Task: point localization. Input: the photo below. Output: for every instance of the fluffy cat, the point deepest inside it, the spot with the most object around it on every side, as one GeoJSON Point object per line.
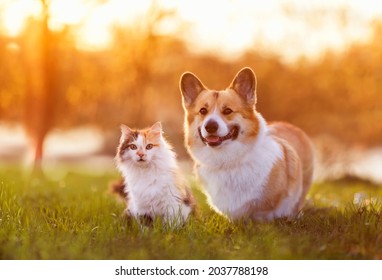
{"type": "Point", "coordinates": [151, 183]}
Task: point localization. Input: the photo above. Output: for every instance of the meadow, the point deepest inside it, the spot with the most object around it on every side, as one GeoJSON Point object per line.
{"type": "Point", "coordinates": [76, 218]}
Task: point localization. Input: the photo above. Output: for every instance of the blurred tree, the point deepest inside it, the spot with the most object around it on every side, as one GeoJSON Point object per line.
{"type": "Point", "coordinates": [135, 81]}
{"type": "Point", "coordinates": [134, 64]}
{"type": "Point", "coordinates": [40, 58]}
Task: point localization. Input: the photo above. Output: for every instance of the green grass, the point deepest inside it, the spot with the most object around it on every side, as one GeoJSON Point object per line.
{"type": "Point", "coordinates": [75, 218]}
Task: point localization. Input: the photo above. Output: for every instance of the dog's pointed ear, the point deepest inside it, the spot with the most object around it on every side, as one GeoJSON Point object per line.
{"type": "Point", "coordinates": [244, 84]}
{"type": "Point", "coordinates": [190, 86]}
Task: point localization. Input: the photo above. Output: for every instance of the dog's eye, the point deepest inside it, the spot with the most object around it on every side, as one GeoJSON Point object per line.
{"type": "Point", "coordinates": [203, 111]}
{"type": "Point", "coordinates": [149, 146]}
{"type": "Point", "coordinates": [132, 147]}
{"type": "Point", "coordinates": [227, 111]}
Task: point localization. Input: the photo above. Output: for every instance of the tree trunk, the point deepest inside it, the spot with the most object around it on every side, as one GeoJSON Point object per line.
{"type": "Point", "coordinates": [40, 67]}
{"type": "Point", "coordinates": [38, 152]}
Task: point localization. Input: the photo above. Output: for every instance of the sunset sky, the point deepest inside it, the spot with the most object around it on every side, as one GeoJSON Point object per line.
{"type": "Point", "coordinates": [290, 28]}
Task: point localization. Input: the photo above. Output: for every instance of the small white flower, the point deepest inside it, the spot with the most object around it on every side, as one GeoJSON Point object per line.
{"type": "Point", "coordinates": [359, 197]}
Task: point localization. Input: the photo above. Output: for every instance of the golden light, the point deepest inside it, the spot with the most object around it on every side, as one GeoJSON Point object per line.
{"type": "Point", "coordinates": [288, 27]}
{"type": "Point", "coordinates": [95, 33]}
{"type": "Point", "coordinates": [70, 12]}
{"type": "Point", "coordinates": [15, 14]}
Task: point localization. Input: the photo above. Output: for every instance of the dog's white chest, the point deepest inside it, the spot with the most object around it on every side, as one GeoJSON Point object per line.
{"type": "Point", "coordinates": [229, 188]}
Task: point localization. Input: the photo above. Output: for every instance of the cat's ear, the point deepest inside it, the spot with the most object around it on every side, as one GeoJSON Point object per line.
{"type": "Point", "coordinates": [156, 129]}
{"type": "Point", "coordinates": [126, 132]}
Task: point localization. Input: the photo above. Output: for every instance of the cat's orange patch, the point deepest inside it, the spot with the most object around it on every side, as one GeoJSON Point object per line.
{"type": "Point", "coordinates": [150, 137]}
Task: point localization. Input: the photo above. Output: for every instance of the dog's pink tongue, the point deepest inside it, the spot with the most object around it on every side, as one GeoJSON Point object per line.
{"type": "Point", "coordinates": [213, 139]}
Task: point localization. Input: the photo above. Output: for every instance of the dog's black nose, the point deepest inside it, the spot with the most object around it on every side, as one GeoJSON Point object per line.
{"type": "Point", "coordinates": [211, 126]}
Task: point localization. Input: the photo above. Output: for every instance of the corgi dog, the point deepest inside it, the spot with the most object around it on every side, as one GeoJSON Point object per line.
{"type": "Point", "coordinates": [249, 169]}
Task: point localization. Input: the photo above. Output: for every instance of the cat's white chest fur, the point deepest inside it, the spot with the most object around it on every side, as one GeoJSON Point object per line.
{"type": "Point", "coordinates": [154, 194]}
{"type": "Point", "coordinates": [151, 194]}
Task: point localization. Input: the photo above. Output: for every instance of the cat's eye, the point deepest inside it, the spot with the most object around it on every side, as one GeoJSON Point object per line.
{"type": "Point", "coordinates": [227, 111]}
{"type": "Point", "coordinates": [149, 146]}
{"type": "Point", "coordinates": [203, 111]}
{"type": "Point", "coordinates": [132, 147]}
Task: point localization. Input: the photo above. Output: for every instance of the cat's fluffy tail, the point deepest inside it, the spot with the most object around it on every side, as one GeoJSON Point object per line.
{"type": "Point", "coordinates": [118, 188]}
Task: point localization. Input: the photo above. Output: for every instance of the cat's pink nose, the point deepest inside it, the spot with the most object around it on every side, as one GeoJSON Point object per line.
{"type": "Point", "coordinates": [140, 154]}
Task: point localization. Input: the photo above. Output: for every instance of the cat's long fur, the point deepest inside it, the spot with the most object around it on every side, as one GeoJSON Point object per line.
{"type": "Point", "coordinates": [152, 182]}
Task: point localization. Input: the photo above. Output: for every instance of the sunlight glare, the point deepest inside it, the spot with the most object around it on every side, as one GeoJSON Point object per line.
{"type": "Point", "coordinates": [289, 28]}
{"type": "Point", "coordinates": [95, 34]}
{"type": "Point", "coordinates": [70, 12]}
{"type": "Point", "coordinates": [16, 13]}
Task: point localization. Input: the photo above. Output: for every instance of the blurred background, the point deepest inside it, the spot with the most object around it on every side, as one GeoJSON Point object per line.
{"type": "Point", "coordinates": [72, 70]}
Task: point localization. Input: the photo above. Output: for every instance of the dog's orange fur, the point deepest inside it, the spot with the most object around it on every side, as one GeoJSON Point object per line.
{"type": "Point", "coordinates": [221, 100]}
{"type": "Point", "coordinates": [302, 149]}
{"type": "Point", "coordinates": [290, 175]}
